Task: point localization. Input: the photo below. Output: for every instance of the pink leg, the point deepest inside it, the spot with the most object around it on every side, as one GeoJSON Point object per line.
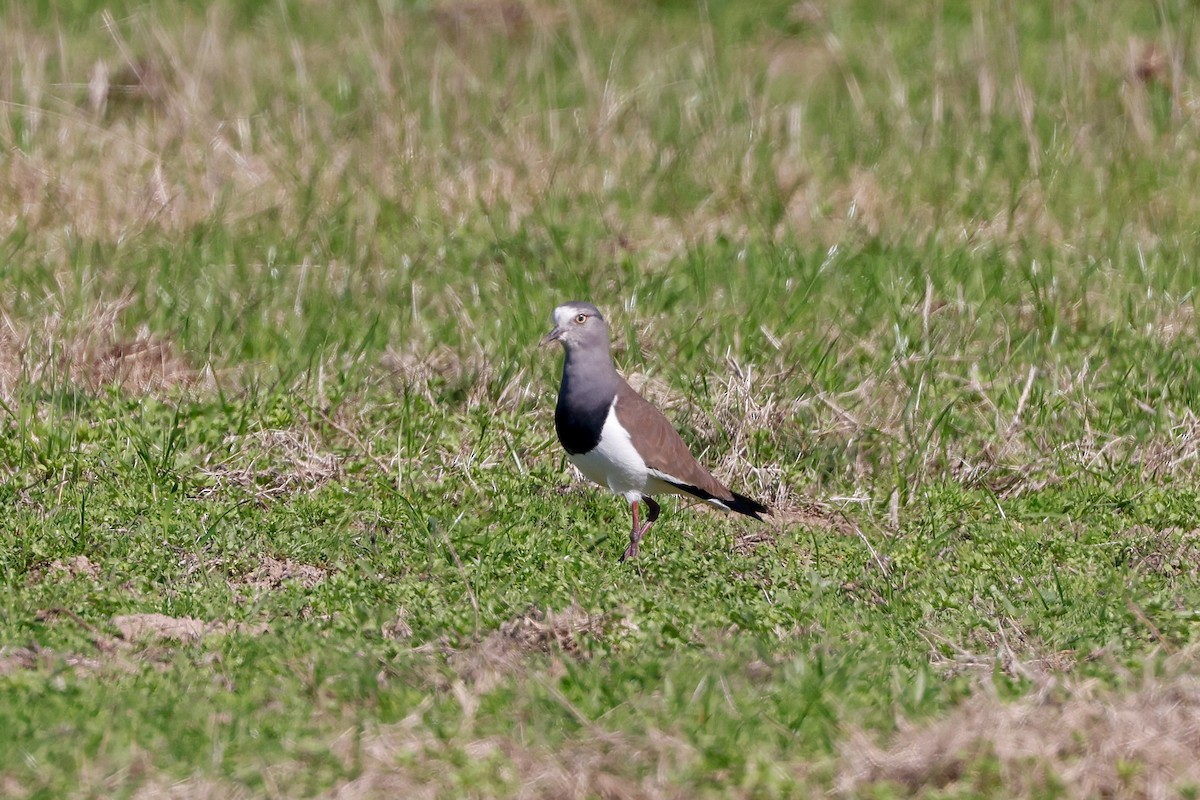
{"type": "Point", "coordinates": [634, 537]}
{"type": "Point", "coordinates": [639, 528]}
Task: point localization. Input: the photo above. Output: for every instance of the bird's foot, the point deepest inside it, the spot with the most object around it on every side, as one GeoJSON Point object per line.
{"type": "Point", "coordinates": [635, 537]}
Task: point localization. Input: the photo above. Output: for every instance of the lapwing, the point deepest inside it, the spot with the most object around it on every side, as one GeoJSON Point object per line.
{"type": "Point", "coordinates": [618, 439]}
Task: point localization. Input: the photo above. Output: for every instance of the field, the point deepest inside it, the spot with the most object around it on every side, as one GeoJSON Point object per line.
{"type": "Point", "coordinates": [284, 514]}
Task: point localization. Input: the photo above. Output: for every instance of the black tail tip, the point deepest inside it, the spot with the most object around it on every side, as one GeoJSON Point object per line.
{"type": "Point", "coordinates": [751, 508]}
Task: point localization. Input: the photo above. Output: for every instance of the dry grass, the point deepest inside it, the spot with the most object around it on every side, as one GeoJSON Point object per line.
{"type": "Point", "coordinates": [163, 788]}
{"type": "Point", "coordinates": [72, 568]}
{"type": "Point", "coordinates": [401, 760]}
{"type": "Point", "coordinates": [155, 627]}
{"type": "Point", "coordinates": [161, 124]}
{"type": "Point", "coordinates": [431, 373]}
{"type": "Point", "coordinates": [129, 134]}
{"type": "Point", "coordinates": [272, 463]}
{"type": "Point", "coordinates": [18, 659]}
{"type": "Point", "coordinates": [404, 760]}
{"type": "Point", "coordinates": [91, 353]}
{"type": "Point", "coordinates": [140, 639]}
{"type": "Point", "coordinates": [483, 665]}
{"type": "Point", "coordinates": [145, 781]}
{"type": "Point", "coordinates": [274, 573]}
{"type": "Point", "coordinates": [1007, 648]}
{"type": "Point", "coordinates": [1168, 552]}
{"type": "Point", "coordinates": [807, 515]}
{"type": "Point", "coordinates": [1075, 738]}
{"type": "Point", "coordinates": [601, 768]}
{"type": "Point", "coordinates": [384, 781]}
{"type": "Point", "coordinates": [1083, 740]}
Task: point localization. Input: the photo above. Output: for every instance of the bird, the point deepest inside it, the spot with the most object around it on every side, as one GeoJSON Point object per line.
{"type": "Point", "coordinates": [616, 437]}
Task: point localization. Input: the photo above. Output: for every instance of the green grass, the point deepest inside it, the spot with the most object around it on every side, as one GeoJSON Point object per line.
{"type": "Point", "coordinates": [920, 278]}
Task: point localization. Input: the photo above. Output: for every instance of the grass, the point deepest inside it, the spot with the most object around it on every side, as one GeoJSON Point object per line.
{"type": "Point", "coordinates": [284, 514]}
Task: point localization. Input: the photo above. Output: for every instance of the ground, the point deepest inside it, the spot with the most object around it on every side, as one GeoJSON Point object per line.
{"type": "Point", "coordinates": [283, 510]}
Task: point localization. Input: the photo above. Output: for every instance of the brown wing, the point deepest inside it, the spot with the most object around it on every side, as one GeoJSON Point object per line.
{"type": "Point", "coordinates": [660, 446]}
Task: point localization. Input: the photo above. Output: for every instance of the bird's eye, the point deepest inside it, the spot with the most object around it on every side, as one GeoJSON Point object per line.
{"type": "Point", "coordinates": [580, 319]}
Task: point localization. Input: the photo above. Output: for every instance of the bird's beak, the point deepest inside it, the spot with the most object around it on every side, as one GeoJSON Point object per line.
{"type": "Point", "coordinates": [552, 336]}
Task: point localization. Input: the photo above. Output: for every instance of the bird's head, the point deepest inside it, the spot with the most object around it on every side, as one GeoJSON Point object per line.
{"type": "Point", "coordinates": [578, 325]}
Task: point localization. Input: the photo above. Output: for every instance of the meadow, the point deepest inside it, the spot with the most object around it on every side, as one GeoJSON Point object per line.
{"type": "Point", "coordinates": [283, 511]}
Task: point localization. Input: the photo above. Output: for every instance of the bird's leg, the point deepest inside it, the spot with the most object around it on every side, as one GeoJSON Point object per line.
{"type": "Point", "coordinates": [634, 535]}
{"type": "Point", "coordinates": [654, 509]}
{"type": "Point", "coordinates": [639, 529]}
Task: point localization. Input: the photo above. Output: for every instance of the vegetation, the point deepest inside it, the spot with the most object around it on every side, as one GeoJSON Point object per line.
{"type": "Point", "coordinates": [283, 510]}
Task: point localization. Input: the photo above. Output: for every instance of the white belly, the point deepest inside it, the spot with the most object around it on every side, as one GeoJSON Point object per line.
{"type": "Point", "coordinates": [616, 464]}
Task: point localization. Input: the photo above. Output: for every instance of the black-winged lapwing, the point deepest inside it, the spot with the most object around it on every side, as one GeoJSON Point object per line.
{"type": "Point", "coordinates": [618, 439]}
